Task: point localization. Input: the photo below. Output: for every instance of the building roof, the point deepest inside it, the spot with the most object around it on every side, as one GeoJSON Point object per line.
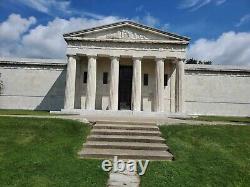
{"type": "Point", "coordinates": [217, 68]}
{"type": "Point", "coordinates": [127, 23]}
{"type": "Point", "coordinates": [33, 61]}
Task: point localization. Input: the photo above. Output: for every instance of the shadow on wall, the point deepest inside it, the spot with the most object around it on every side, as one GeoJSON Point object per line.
{"type": "Point", "coordinates": [54, 99]}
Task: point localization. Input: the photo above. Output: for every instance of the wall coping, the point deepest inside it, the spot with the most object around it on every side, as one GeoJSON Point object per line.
{"type": "Point", "coordinates": [218, 68]}
{"type": "Point", "coordinates": [33, 61]}
{"type": "Point", "coordinates": [63, 62]}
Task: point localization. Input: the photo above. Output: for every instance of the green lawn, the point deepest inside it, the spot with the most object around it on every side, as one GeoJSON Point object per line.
{"type": "Point", "coordinates": [224, 118]}
{"type": "Point", "coordinates": [43, 152]}
{"type": "Point", "coordinates": [204, 156]}
{"type": "Point", "coordinates": [23, 112]}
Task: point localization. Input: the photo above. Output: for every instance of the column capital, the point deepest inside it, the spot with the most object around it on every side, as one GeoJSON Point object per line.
{"type": "Point", "coordinates": [159, 58]}
{"type": "Point", "coordinates": [92, 56]}
{"type": "Point", "coordinates": [72, 56]}
{"type": "Point", "coordinates": [178, 60]}
{"type": "Point", "coordinates": [137, 58]}
{"type": "Point", "coordinates": [112, 57]}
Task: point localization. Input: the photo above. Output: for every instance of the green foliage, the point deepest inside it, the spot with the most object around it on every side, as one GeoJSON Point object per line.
{"type": "Point", "coordinates": [23, 112]}
{"type": "Point", "coordinates": [224, 118]}
{"type": "Point", "coordinates": [43, 152]}
{"type": "Point", "coordinates": [204, 156]}
{"type": "Point", "coordinates": [194, 61]}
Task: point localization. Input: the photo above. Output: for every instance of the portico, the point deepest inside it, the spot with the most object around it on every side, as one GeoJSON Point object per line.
{"type": "Point", "coordinates": [153, 58]}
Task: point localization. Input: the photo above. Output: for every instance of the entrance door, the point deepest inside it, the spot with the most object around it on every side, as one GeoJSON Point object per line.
{"type": "Point", "coordinates": [125, 87]}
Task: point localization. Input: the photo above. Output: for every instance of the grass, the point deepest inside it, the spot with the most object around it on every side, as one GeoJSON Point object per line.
{"type": "Point", "coordinates": [23, 112]}
{"type": "Point", "coordinates": [43, 152]}
{"type": "Point", "coordinates": [224, 118]}
{"type": "Point", "coordinates": [204, 156]}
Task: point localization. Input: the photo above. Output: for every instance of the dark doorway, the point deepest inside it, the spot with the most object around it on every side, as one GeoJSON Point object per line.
{"type": "Point", "coordinates": [125, 87]}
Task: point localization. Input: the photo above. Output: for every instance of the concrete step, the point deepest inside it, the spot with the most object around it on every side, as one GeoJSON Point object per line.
{"type": "Point", "coordinates": [126, 127]}
{"type": "Point", "coordinates": [125, 154]}
{"type": "Point", "coordinates": [126, 145]}
{"type": "Point", "coordinates": [125, 132]}
{"type": "Point", "coordinates": [125, 122]}
{"type": "Point", "coordinates": [122, 138]}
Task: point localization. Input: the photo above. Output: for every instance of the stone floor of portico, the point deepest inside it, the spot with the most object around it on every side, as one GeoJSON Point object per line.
{"type": "Point", "coordinates": [123, 115]}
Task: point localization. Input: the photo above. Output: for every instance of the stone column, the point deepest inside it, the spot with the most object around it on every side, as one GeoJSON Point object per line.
{"type": "Point", "coordinates": [179, 86]}
{"type": "Point", "coordinates": [114, 83]}
{"type": "Point", "coordinates": [136, 85]}
{"type": "Point", "coordinates": [91, 83]}
{"type": "Point", "coordinates": [69, 99]}
{"type": "Point", "coordinates": [172, 87]}
{"type": "Point", "coordinates": [159, 75]}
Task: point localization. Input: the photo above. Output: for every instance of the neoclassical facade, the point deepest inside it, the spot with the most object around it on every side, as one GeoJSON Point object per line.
{"type": "Point", "coordinates": [125, 70]}
{"type": "Point", "coordinates": [125, 66]}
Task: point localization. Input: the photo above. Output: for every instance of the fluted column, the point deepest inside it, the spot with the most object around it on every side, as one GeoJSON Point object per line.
{"type": "Point", "coordinates": [179, 86]}
{"type": "Point", "coordinates": [136, 84]}
{"type": "Point", "coordinates": [159, 91]}
{"type": "Point", "coordinates": [91, 83]}
{"type": "Point", "coordinates": [114, 83]}
{"type": "Point", "coordinates": [69, 99]}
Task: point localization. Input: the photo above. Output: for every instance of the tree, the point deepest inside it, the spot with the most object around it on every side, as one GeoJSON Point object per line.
{"type": "Point", "coordinates": [191, 61]}
{"type": "Point", "coordinates": [194, 61]}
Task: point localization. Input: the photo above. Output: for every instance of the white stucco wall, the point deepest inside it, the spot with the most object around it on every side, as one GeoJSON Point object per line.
{"type": "Point", "coordinates": [32, 84]}
{"type": "Point", "coordinates": [208, 90]}
{"type": "Point", "coordinates": [217, 90]}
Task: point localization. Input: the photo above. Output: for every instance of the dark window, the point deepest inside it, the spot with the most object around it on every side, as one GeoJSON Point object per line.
{"type": "Point", "coordinates": [145, 79]}
{"type": "Point", "coordinates": [105, 78]}
{"type": "Point", "coordinates": [165, 79]}
{"type": "Point", "coordinates": [85, 76]}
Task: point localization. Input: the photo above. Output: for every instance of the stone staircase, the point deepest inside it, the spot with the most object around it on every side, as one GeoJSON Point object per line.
{"type": "Point", "coordinates": [125, 140]}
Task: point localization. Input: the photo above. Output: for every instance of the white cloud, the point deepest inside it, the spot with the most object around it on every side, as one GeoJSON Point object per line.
{"type": "Point", "coordinates": [14, 27]}
{"type": "Point", "coordinates": [48, 6]}
{"type": "Point", "coordinates": [11, 31]}
{"type": "Point", "coordinates": [139, 8]}
{"type": "Point", "coordinates": [194, 5]}
{"type": "Point", "coordinates": [148, 19]}
{"type": "Point", "coordinates": [220, 2]}
{"type": "Point", "coordinates": [243, 20]}
{"type": "Point", "coordinates": [230, 48]}
{"type": "Point", "coordinates": [46, 41]}
{"type": "Point", "coordinates": [165, 26]}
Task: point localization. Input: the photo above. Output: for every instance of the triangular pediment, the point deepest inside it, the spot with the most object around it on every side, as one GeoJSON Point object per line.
{"type": "Point", "coordinates": [125, 31]}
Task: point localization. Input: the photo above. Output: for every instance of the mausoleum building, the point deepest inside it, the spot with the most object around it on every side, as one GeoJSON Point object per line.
{"type": "Point", "coordinates": [125, 66]}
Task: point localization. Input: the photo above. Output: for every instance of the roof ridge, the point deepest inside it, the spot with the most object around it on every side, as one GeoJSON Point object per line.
{"type": "Point", "coordinates": [124, 23]}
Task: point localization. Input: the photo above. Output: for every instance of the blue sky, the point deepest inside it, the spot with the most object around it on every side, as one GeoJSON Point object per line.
{"type": "Point", "coordinates": [219, 29]}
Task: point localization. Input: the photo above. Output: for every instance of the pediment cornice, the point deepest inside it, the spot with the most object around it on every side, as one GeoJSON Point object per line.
{"type": "Point", "coordinates": [126, 32]}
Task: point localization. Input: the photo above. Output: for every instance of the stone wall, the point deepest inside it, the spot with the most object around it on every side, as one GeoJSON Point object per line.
{"type": "Point", "coordinates": [36, 84]}
{"type": "Point", "coordinates": [217, 90]}
{"type": "Point", "coordinates": [208, 90]}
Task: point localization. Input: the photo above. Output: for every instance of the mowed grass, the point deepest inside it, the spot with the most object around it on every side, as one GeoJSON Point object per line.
{"type": "Point", "coordinates": [23, 112]}
{"type": "Point", "coordinates": [204, 156]}
{"type": "Point", "coordinates": [43, 152]}
{"type": "Point", "coordinates": [224, 118]}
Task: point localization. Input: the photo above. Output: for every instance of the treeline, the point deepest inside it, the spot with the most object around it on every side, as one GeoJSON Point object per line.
{"type": "Point", "coordinates": [194, 61]}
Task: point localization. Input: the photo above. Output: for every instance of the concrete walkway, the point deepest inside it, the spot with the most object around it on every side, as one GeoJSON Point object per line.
{"type": "Point", "coordinates": [122, 179]}
{"type": "Point", "coordinates": [168, 121]}
{"type": "Point", "coordinates": [71, 117]}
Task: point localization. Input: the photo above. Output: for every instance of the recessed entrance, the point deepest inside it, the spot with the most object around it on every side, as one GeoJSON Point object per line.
{"type": "Point", "coordinates": [125, 87]}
